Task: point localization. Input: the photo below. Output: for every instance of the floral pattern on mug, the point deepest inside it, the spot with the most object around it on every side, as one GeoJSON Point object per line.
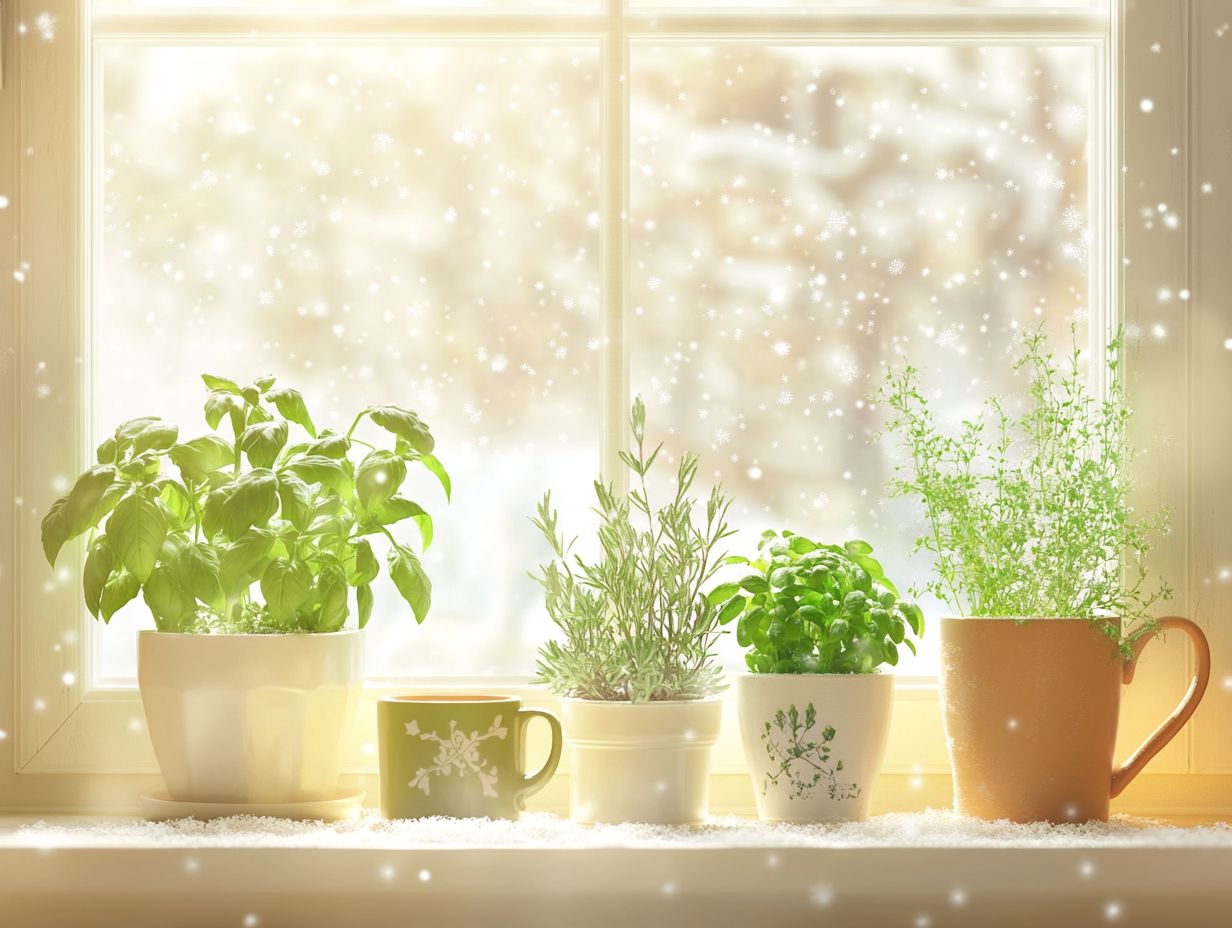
{"type": "Point", "coordinates": [457, 751]}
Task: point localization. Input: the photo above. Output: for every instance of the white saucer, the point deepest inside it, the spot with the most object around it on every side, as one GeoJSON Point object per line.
{"type": "Point", "coordinates": [161, 807]}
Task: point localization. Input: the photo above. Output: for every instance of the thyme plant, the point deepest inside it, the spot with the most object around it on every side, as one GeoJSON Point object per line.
{"type": "Point", "coordinates": [1028, 514]}
{"type": "Point", "coordinates": [195, 525]}
{"type": "Point", "coordinates": [636, 625]}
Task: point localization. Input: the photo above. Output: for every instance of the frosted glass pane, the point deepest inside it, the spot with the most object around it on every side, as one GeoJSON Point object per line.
{"type": "Point", "coordinates": [815, 5]}
{"type": "Point", "coordinates": [404, 225]}
{"type": "Point", "coordinates": [801, 217]}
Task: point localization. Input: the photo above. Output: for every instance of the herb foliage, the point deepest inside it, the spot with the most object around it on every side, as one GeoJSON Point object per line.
{"type": "Point", "coordinates": [814, 608]}
{"type": "Point", "coordinates": [1028, 514]}
{"type": "Point", "coordinates": [250, 508]}
{"type": "Point", "coordinates": [636, 625]}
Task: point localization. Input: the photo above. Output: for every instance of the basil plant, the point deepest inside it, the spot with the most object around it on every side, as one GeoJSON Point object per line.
{"type": "Point", "coordinates": [245, 530]}
{"type": "Point", "coordinates": [809, 607]}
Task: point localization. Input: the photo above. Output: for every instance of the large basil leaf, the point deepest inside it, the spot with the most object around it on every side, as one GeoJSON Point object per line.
{"type": "Point", "coordinates": [409, 577]}
{"type": "Point", "coordinates": [136, 530]}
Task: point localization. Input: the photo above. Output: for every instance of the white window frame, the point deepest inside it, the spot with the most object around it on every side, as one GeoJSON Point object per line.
{"type": "Point", "coordinates": [54, 723]}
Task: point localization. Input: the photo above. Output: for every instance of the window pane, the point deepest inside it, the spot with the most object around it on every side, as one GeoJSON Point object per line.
{"type": "Point", "coordinates": [802, 217]}
{"type": "Point", "coordinates": [396, 225]}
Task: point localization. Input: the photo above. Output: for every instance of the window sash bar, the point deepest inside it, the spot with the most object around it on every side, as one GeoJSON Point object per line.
{"type": "Point", "coordinates": [868, 24]}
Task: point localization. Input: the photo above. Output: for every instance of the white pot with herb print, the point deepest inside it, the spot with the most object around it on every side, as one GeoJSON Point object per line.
{"type": "Point", "coordinates": [818, 621]}
{"type": "Point", "coordinates": [814, 742]}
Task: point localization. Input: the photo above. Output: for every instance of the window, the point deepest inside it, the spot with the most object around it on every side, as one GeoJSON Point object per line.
{"type": "Point", "coordinates": [511, 216]}
{"type": "Point", "coordinates": [800, 216]}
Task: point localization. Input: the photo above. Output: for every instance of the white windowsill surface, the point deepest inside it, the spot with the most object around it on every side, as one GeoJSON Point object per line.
{"type": "Point", "coordinates": [928, 869]}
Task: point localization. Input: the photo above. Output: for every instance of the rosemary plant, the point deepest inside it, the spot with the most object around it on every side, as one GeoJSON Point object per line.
{"type": "Point", "coordinates": [1029, 515]}
{"type": "Point", "coordinates": [636, 625]}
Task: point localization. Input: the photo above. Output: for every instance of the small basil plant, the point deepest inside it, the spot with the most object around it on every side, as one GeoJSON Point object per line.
{"type": "Point", "coordinates": [809, 607]}
{"type": "Point", "coordinates": [195, 526]}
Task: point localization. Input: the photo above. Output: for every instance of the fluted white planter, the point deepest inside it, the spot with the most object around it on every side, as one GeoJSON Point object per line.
{"type": "Point", "coordinates": [640, 763]}
{"type": "Point", "coordinates": [250, 718]}
{"type": "Point", "coordinates": [814, 742]}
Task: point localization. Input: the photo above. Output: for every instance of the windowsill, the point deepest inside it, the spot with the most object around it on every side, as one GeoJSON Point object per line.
{"type": "Point", "coordinates": [923, 869]}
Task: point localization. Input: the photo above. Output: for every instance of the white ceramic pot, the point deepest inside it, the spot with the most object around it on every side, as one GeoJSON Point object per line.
{"type": "Point", "coordinates": [250, 718]}
{"type": "Point", "coordinates": [814, 742]}
{"type": "Point", "coordinates": [640, 763]}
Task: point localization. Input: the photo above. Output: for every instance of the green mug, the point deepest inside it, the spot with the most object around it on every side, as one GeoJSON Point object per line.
{"type": "Point", "coordinates": [462, 756]}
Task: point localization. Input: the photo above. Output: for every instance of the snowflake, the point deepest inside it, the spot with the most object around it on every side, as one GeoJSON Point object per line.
{"type": "Point", "coordinates": [320, 168]}
{"type": "Point", "coordinates": [592, 220]}
{"type": "Point", "coordinates": [451, 215]}
{"type": "Point", "coordinates": [782, 349]}
{"type": "Point", "coordinates": [896, 267]}
{"type": "Point", "coordinates": [46, 25]}
{"type": "Point", "coordinates": [847, 371]}
{"type": "Point", "coordinates": [1072, 218]}
{"type": "Point", "coordinates": [785, 398]}
{"type": "Point", "coordinates": [499, 364]}
{"type": "Point", "coordinates": [382, 141]}
{"type": "Point", "coordinates": [721, 436]}
{"type": "Point", "coordinates": [836, 222]}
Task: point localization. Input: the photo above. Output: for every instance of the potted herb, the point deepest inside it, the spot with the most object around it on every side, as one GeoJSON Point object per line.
{"type": "Point", "coordinates": [252, 552]}
{"type": "Point", "coordinates": [635, 665]}
{"type": "Point", "coordinates": [1037, 548]}
{"type": "Point", "coordinates": [818, 621]}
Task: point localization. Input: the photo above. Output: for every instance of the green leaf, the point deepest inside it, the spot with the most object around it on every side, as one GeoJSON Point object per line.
{"type": "Point", "coordinates": [168, 601]}
{"type": "Point", "coordinates": [264, 383]}
{"type": "Point", "coordinates": [363, 566]}
{"type": "Point", "coordinates": [136, 529]}
{"type": "Point", "coordinates": [405, 424]}
{"type": "Point", "coordinates": [332, 595]}
{"type": "Point", "coordinates": [107, 451]}
{"type": "Point", "coordinates": [330, 446]}
{"type": "Point", "coordinates": [436, 467]}
{"type": "Point", "coordinates": [253, 502]}
{"type": "Point", "coordinates": [127, 431]}
{"type": "Point", "coordinates": [99, 563]}
{"type": "Point", "coordinates": [211, 514]}
{"type": "Point", "coordinates": [363, 599]}
{"type": "Point", "coordinates": [221, 383]}
{"type": "Point", "coordinates": [296, 499]}
{"type": "Point", "coordinates": [755, 584]}
{"type": "Point", "coordinates": [200, 457]}
{"type": "Point", "coordinates": [263, 441]}
{"type": "Point", "coordinates": [119, 590]}
{"type": "Point", "coordinates": [242, 560]}
{"type": "Point", "coordinates": [286, 587]}
{"type": "Point", "coordinates": [81, 508]}
{"type": "Point", "coordinates": [732, 608]}
{"type": "Point", "coordinates": [176, 501]}
{"type": "Point", "coordinates": [379, 476]}
{"type": "Point", "coordinates": [722, 593]}
{"type": "Point", "coordinates": [290, 405]}
{"type": "Point", "coordinates": [220, 403]}
{"type": "Point", "coordinates": [409, 577]}
{"type": "Point", "coordinates": [157, 436]}
{"type": "Point", "coordinates": [331, 474]}
{"type": "Point", "coordinates": [197, 569]}
{"type": "Point", "coordinates": [54, 530]}
{"type": "Point", "coordinates": [395, 510]}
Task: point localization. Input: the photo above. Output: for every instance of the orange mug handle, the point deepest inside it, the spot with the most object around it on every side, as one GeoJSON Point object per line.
{"type": "Point", "coordinates": [1133, 765]}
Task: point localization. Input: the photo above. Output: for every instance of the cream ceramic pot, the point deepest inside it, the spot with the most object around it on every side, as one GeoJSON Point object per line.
{"type": "Point", "coordinates": [814, 742]}
{"type": "Point", "coordinates": [250, 718]}
{"type": "Point", "coordinates": [648, 762]}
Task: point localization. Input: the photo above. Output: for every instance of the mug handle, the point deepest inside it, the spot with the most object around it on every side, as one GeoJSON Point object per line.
{"type": "Point", "coordinates": [532, 783]}
{"type": "Point", "coordinates": [1133, 765]}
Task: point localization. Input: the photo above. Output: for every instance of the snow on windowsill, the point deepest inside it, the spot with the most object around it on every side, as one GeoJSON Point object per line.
{"type": "Point", "coordinates": [930, 829]}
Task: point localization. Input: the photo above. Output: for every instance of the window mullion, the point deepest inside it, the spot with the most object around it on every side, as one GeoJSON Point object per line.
{"type": "Point", "coordinates": [614, 112]}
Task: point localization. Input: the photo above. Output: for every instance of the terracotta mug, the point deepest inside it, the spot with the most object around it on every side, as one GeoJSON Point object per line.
{"type": "Point", "coordinates": [1031, 708]}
